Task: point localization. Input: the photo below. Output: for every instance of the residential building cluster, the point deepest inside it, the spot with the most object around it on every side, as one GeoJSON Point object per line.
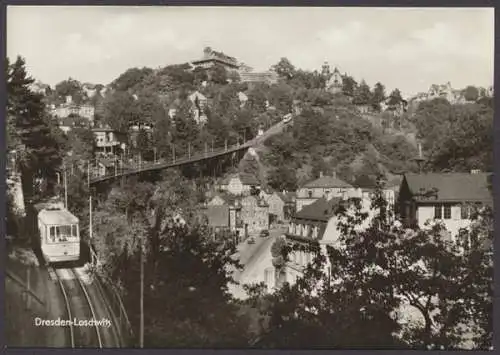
{"type": "Point", "coordinates": [446, 91]}
{"type": "Point", "coordinates": [419, 200]}
{"type": "Point", "coordinates": [240, 206]}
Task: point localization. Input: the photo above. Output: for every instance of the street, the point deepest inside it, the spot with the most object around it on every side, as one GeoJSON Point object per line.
{"type": "Point", "coordinates": [253, 258]}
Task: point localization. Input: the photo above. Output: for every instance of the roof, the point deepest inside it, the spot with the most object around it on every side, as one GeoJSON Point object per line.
{"type": "Point", "coordinates": [196, 95]}
{"type": "Point", "coordinates": [59, 217]}
{"type": "Point", "coordinates": [218, 216]}
{"type": "Point", "coordinates": [228, 198]}
{"type": "Point", "coordinates": [451, 187]}
{"type": "Point", "coordinates": [286, 197]}
{"type": "Point", "coordinates": [320, 210]}
{"type": "Point", "coordinates": [327, 181]}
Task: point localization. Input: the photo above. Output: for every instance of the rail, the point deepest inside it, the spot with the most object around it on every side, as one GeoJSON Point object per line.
{"type": "Point", "coordinates": [68, 309]}
{"type": "Point", "coordinates": [87, 297]}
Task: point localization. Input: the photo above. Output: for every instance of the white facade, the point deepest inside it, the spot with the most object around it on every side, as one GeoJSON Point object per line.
{"type": "Point", "coordinates": [449, 215]}
{"type": "Point", "coordinates": [235, 186]}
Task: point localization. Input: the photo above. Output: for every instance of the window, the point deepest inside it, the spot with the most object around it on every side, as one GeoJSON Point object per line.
{"type": "Point", "coordinates": [465, 212]}
{"type": "Point", "coordinates": [52, 234]}
{"type": "Point", "coordinates": [74, 230]}
{"type": "Point", "coordinates": [310, 193]}
{"type": "Point", "coordinates": [447, 212]}
{"type": "Point", "coordinates": [438, 212]}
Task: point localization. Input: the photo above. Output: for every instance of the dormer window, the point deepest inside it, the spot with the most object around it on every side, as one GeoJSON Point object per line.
{"type": "Point", "coordinates": [310, 194]}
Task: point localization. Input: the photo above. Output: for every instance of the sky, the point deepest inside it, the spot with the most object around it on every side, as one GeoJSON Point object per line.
{"type": "Point", "coordinates": [405, 48]}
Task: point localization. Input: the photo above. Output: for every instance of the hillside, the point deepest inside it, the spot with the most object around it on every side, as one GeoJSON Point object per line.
{"type": "Point", "coordinates": [329, 132]}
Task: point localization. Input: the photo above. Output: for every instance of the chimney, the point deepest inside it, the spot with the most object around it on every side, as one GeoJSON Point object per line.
{"type": "Point", "coordinates": [321, 174]}
{"type": "Point", "coordinates": [419, 150]}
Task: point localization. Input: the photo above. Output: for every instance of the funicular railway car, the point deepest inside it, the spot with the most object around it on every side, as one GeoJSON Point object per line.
{"type": "Point", "coordinates": [59, 233]}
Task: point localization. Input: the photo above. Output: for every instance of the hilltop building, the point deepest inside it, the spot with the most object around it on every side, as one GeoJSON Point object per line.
{"type": "Point", "coordinates": [211, 58]}
{"type": "Point", "coordinates": [334, 83]}
{"type": "Point", "coordinates": [70, 108]}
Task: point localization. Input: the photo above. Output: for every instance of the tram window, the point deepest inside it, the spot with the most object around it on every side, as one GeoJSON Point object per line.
{"type": "Point", "coordinates": [64, 232]}
{"type": "Point", "coordinates": [53, 234]}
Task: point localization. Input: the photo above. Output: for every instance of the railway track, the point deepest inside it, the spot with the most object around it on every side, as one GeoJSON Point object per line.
{"type": "Point", "coordinates": [79, 308]}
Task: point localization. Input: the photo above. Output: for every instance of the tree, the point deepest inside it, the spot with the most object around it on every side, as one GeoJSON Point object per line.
{"type": "Point", "coordinates": [362, 95]}
{"type": "Point", "coordinates": [70, 87]}
{"type": "Point", "coordinates": [349, 85]}
{"type": "Point", "coordinates": [182, 262]}
{"type": "Point", "coordinates": [120, 111]}
{"type": "Point", "coordinates": [282, 178]}
{"type": "Point", "coordinates": [378, 95]}
{"type": "Point", "coordinates": [471, 93]}
{"type": "Point", "coordinates": [131, 78]}
{"type": "Point", "coordinates": [284, 68]}
{"type": "Point", "coordinates": [466, 140]}
{"type": "Point", "coordinates": [218, 74]}
{"type": "Point", "coordinates": [40, 152]}
{"type": "Point", "coordinates": [395, 97]}
{"type": "Point", "coordinates": [375, 274]}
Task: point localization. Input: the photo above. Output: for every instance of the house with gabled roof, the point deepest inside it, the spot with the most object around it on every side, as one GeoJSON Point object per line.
{"type": "Point", "coordinates": [324, 186]}
{"type": "Point", "coordinates": [317, 222]}
{"type": "Point", "coordinates": [449, 198]}
{"type": "Point", "coordinates": [240, 184]}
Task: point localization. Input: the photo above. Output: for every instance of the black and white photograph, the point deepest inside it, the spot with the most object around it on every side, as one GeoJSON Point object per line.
{"type": "Point", "coordinates": [210, 177]}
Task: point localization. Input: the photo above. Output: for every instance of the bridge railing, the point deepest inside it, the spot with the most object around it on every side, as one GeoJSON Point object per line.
{"type": "Point", "coordinates": [173, 161]}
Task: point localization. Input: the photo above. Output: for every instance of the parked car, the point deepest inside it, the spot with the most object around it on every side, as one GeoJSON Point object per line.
{"type": "Point", "coordinates": [264, 233]}
{"type": "Point", "coordinates": [251, 240]}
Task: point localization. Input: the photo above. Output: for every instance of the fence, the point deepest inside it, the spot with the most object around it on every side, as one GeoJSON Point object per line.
{"type": "Point", "coordinates": [115, 304]}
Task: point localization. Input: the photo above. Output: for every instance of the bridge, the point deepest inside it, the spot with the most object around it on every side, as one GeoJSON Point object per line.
{"type": "Point", "coordinates": [187, 158]}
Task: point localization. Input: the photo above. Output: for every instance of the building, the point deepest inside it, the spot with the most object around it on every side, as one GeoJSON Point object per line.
{"type": "Point", "coordinates": [325, 186]}
{"type": "Point", "coordinates": [268, 77]}
{"type": "Point", "coordinates": [240, 184]}
{"type": "Point", "coordinates": [443, 197]}
{"type": "Point", "coordinates": [242, 98]}
{"type": "Point", "coordinates": [335, 82]}
{"type": "Point", "coordinates": [108, 141]}
{"type": "Point", "coordinates": [198, 105]}
{"type": "Point", "coordinates": [233, 204]}
{"type": "Point", "coordinates": [211, 58]}
{"type": "Point", "coordinates": [70, 108]}
{"type": "Point", "coordinates": [276, 202]}
{"type": "Point", "coordinates": [318, 222]}
{"type": "Point", "coordinates": [444, 91]}
{"type": "Point", "coordinates": [40, 88]}
{"type": "Point", "coordinates": [254, 214]}
{"type": "Point", "coordinates": [66, 124]}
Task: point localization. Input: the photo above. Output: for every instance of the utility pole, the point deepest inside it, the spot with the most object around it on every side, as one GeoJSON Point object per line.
{"type": "Point", "coordinates": [90, 228]}
{"type": "Point", "coordinates": [212, 145]}
{"type": "Point", "coordinates": [141, 340]}
{"type": "Point", "coordinates": [154, 151]}
{"type": "Point", "coordinates": [88, 174]}
{"type": "Point", "coordinates": [225, 144]}
{"type": "Point", "coordinates": [189, 150]}
{"type": "Point", "coordinates": [65, 189]}
{"type": "Point", "coordinates": [206, 148]}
